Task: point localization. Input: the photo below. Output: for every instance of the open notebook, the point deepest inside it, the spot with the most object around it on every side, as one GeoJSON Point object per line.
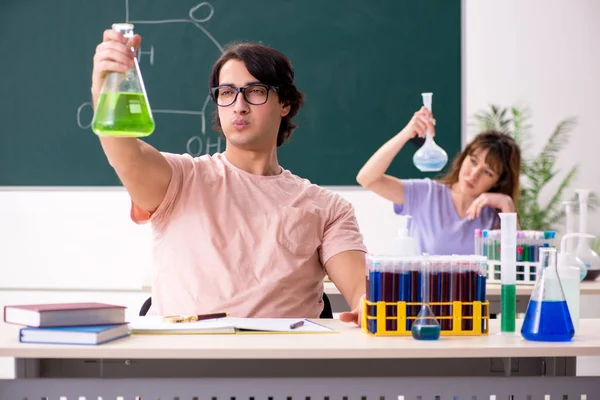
{"type": "Point", "coordinates": [155, 325]}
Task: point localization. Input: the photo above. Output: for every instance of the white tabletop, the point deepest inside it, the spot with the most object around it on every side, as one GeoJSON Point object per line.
{"type": "Point", "coordinates": [349, 342]}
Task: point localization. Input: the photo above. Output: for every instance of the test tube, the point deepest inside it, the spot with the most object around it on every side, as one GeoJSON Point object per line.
{"type": "Point", "coordinates": [434, 284]}
{"type": "Point", "coordinates": [533, 251]}
{"type": "Point", "coordinates": [474, 284]}
{"type": "Point", "coordinates": [396, 274]}
{"type": "Point", "coordinates": [387, 278]}
{"type": "Point", "coordinates": [372, 289]}
{"type": "Point", "coordinates": [374, 292]}
{"type": "Point", "coordinates": [497, 244]}
{"type": "Point", "coordinates": [508, 271]}
{"type": "Point", "coordinates": [404, 287]}
{"type": "Point", "coordinates": [455, 283]}
{"type": "Point", "coordinates": [446, 292]}
{"type": "Point", "coordinates": [519, 246]}
{"type": "Point", "coordinates": [367, 281]}
{"type": "Point", "coordinates": [482, 278]}
{"type": "Point", "coordinates": [467, 290]}
{"type": "Point", "coordinates": [525, 243]}
{"type": "Point", "coordinates": [481, 287]}
{"type": "Point", "coordinates": [540, 242]}
{"type": "Point", "coordinates": [415, 290]}
{"type": "Point", "coordinates": [491, 254]}
{"type": "Point", "coordinates": [484, 245]}
{"type": "Point", "coordinates": [478, 241]}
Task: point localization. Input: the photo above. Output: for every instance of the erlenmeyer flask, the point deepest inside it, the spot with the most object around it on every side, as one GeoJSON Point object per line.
{"type": "Point", "coordinates": [426, 326]}
{"type": "Point", "coordinates": [548, 318]}
{"type": "Point", "coordinates": [123, 109]}
{"type": "Point", "coordinates": [430, 157]}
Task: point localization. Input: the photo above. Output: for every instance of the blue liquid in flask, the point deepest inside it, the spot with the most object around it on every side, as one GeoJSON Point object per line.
{"type": "Point", "coordinates": [425, 332]}
{"type": "Point", "coordinates": [548, 321]}
{"type": "Point", "coordinates": [431, 166]}
{"type": "Point", "coordinates": [426, 326]}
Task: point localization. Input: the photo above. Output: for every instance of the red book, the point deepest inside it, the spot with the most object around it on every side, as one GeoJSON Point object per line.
{"type": "Point", "coordinates": [64, 314]}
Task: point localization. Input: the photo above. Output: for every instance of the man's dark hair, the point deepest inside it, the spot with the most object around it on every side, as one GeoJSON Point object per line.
{"type": "Point", "coordinates": [270, 67]}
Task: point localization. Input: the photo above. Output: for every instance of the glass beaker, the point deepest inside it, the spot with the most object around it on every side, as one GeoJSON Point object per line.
{"type": "Point", "coordinates": [548, 318]}
{"type": "Point", "coordinates": [426, 326]}
{"type": "Point", "coordinates": [123, 109]}
{"type": "Point", "coordinates": [430, 157]}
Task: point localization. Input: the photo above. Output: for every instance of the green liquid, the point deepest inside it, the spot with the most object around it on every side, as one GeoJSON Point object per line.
{"type": "Point", "coordinates": [508, 307]}
{"type": "Point", "coordinates": [123, 115]}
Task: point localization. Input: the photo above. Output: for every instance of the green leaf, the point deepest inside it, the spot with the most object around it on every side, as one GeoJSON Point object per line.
{"type": "Point", "coordinates": [555, 206]}
{"type": "Point", "coordinates": [494, 119]}
{"type": "Point", "coordinates": [557, 140]}
{"type": "Point", "coordinates": [538, 171]}
{"type": "Point", "coordinates": [521, 129]}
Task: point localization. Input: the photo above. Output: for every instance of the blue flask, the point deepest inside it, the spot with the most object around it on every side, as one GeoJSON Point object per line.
{"type": "Point", "coordinates": [548, 318]}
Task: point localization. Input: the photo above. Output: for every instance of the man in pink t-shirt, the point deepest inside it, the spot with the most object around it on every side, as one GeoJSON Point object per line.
{"type": "Point", "coordinates": [235, 231]}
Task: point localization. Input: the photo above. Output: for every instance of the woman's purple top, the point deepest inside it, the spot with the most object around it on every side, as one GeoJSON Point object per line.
{"type": "Point", "coordinates": [435, 225]}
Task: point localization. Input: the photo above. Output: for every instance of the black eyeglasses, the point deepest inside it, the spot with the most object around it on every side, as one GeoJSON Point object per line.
{"type": "Point", "coordinates": [255, 94]}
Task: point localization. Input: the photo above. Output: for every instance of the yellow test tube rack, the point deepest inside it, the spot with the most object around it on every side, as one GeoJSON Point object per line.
{"type": "Point", "coordinates": [455, 321]}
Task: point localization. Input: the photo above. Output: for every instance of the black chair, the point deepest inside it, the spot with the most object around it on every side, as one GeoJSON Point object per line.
{"type": "Point", "coordinates": [326, 313]}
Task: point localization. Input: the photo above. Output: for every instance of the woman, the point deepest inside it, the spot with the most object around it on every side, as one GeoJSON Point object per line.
{"type": "Point", "coordinates": [483, 181]}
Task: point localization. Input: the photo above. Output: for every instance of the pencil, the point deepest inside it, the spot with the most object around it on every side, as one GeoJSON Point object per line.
{"type": "Point", "coordinates": [193, 318]}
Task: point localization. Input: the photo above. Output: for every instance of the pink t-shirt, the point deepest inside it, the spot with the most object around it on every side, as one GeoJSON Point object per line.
{"type": "Point", "coordinates": [225, 240]}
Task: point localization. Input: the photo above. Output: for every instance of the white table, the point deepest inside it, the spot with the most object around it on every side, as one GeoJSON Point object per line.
{"type": "Point", "coordinates": [262, 366]}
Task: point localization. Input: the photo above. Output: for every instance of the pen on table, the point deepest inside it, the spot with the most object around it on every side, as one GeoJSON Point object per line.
{"type": "Point", "coordinates": [193, 318]}
{"type": "Point", "coordinates": [296, 324]}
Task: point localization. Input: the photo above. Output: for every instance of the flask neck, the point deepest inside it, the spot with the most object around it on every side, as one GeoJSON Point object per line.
{"type": "Point", "coordinates": [548, 260]}
{"type": "Point", "coordinates": [125, 29]}
{"type": "Point", "coordinates": [429, 137]}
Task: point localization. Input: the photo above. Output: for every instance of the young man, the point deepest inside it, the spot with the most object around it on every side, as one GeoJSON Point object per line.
{"type": "Point", "coordinates": [235, 231]}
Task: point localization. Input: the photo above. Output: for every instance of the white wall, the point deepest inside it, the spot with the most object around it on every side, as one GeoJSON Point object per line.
{"type": "Point", "coordinates": [71, 239]}
{"type": "Point", "coordinates": [84, 239]}
{"type": "Point", "coordinates": [541, 52]}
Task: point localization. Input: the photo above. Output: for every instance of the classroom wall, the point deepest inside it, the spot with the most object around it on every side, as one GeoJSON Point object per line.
{"type": "Point", "coordinates": [542, 52]}
{"type": "Point", "coordinates": [83, 238]}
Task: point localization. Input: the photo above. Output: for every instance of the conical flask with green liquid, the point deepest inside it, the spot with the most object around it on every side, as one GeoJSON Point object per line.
{"type": "Point", "coordinates": [123, 109]}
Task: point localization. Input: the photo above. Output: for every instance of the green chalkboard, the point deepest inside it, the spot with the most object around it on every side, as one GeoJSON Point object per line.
{"type": "Point", "coordinates": [361, 64]}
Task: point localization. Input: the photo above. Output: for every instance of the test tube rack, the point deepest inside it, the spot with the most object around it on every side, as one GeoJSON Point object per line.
{"type": "Point", "coordinates": [455, 293]}
{"type": "Point", "coordinates": [487, 244]}
{"type": "Point", "coordinates": [390, 319]}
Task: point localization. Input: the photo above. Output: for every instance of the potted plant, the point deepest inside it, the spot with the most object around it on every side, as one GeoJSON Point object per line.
{"type": "Point", "coordinates": [537, 171]}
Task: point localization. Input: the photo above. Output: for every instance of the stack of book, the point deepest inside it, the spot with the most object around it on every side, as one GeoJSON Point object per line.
{"type": "Point", "coordinates": [68, 323]}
